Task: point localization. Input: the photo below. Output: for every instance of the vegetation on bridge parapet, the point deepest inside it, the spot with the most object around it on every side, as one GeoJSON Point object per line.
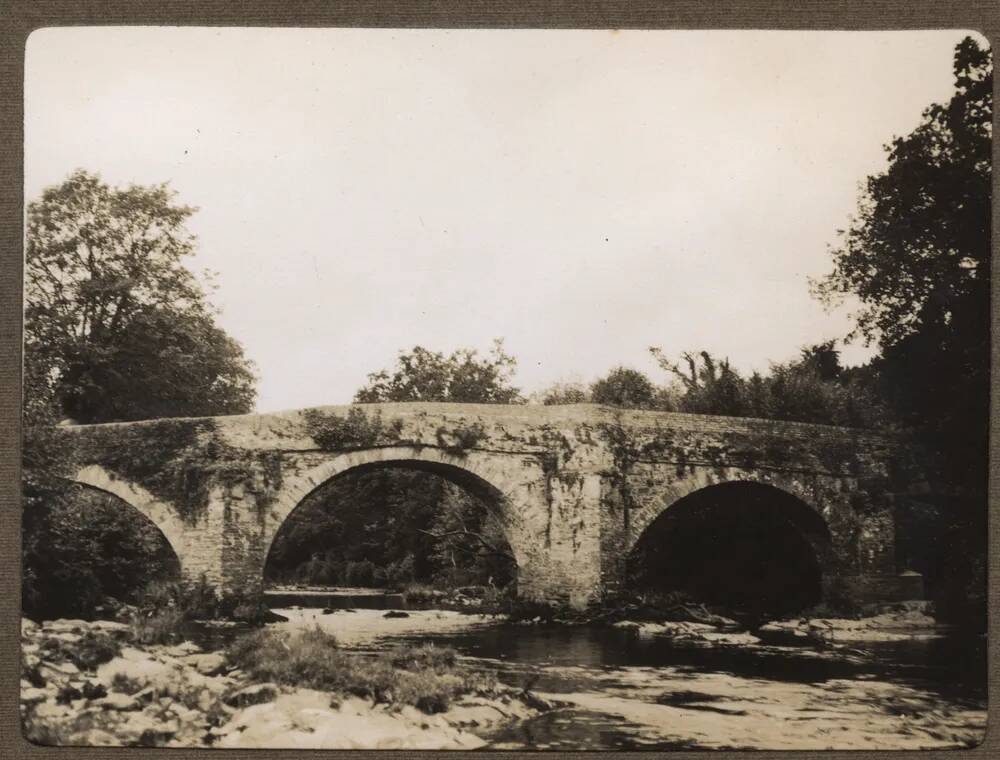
{"type": "Point", "coordinates": [462, 438]}
{"type": "Point", "coordinates": [179, 461]}
{"type": "Point", "coordinates": [356, 430]}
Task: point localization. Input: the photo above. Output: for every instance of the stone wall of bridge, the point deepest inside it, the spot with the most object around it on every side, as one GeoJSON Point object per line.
{"type": "Point", "coordinates": [577, 485]}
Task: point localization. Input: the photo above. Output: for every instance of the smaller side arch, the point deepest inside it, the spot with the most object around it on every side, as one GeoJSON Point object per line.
{"type": "Point", "coordinates": [745, 543]}
{"type": "Point", "coordinates": [671, 493]}
{"type": "Point", "coordinates": [162, 516]}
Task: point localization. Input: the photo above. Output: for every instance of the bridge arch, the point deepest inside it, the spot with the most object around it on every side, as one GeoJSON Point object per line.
{"type": "Point", "coordinates": [477, 473]}
{"type": "Point", "coordinates": [744, 542]}
{"type": "Point", "coordinates": [159, 514]}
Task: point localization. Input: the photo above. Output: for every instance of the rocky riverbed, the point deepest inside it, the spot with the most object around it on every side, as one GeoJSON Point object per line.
{"type": "Point", "coordinates": [89, 684]}
{"type": "Point", "coordinates": [882, 682]}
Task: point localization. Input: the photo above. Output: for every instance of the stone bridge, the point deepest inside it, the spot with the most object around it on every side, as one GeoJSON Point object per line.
{"type": "Point", "coordinates": [577, 485]}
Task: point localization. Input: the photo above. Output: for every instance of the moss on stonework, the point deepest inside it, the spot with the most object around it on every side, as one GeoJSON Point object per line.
{"type": "Point", "coordinates": [163, 456]}
{"type": "Point", "coordinates": [179, 461]}
{"type": "Point", "coordinates": [356, 430]}
{"type": "Point", "coordinates": [460, 440]}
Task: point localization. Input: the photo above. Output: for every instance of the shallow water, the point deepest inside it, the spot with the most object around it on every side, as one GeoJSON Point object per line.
{"type": "Point", "coordinates": [623, 690]}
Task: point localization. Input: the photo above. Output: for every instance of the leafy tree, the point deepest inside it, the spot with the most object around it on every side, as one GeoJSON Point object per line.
{"type": "Point", "coordinates": [112, 314]}
{"type": "Point", "coordinates": [917, 257]}
{"type": "Point", "coordinates": [463, 376]}
{"type": "Point", "coordinates": [115, 329]}
{"type": "Point", "coordinates": [814, 388]}
{"type": "Point", "coordinates": [624, 387]}
{"type": "Point", "coordinates": [709, 386]}
{"type": "Point", "coordinates": [563, 393]}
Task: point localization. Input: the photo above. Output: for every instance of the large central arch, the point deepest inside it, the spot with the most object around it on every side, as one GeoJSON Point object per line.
{"type": "Point", "coordinates": [473, 472]}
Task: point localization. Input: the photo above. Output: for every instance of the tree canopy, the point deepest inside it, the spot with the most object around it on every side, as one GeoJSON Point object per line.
{"type": "Point", "coordinates": [917, 257]}
{"type": "Point", "coordinates": [112, 316]}
{"type": "Point", "coordinates": [624, 387]}
{"type": "Point", "coordinates": [463, 376]}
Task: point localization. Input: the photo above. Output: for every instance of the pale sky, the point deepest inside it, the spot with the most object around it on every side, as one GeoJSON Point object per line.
{"type": "Point", "coordinates": [582, 194]}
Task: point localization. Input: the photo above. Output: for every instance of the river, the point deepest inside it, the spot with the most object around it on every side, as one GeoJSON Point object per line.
{"type": "Point", "coordinates": [624, 690]}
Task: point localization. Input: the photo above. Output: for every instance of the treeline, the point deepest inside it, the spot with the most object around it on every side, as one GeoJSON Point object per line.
{"type": "Point", "coordinates": [814, 388]}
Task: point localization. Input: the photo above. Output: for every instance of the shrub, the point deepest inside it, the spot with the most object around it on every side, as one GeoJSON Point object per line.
{"type": "Point", "coordinates": [425, 677]}
{"type": "Point", "coordinates": [93, 649]}
{"type": "Point", "coordinates": [401, 572]}
{"type": "Point", "coordinates": [359, 573]}
{"type": "Point", "coordinates": [163, 627]}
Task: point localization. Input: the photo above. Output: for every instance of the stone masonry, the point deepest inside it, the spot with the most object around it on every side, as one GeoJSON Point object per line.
{"type": "Point", "coordinates": [577, 485]}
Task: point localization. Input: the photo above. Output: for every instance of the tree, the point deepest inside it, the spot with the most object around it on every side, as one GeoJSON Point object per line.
{"type": "Point", "coordinates": [814, 388]}
{"type": "Point", "coordinates": [626, 388]}
{"type": "Point", "coordinates": [563, 393]}
{"type": "Point", "coordinates": [463, 376]}
{"type": "Point", "coordinates": [115, 329]}
{"type": "Point", "coordinates": [113, 316]}
{"type": "Point", "coordinates": [917, 257]}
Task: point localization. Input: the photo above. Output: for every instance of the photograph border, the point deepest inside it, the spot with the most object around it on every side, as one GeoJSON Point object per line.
{"type": "Point", "coordinates": [19, 18]}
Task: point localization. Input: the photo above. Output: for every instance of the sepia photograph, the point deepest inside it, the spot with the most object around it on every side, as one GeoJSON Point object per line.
{"type": "Point", "coordinates": [505, 389]}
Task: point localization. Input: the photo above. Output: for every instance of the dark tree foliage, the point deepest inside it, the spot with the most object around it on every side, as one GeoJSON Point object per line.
{"type": "Point", "coordinates": [392, 527]}
{"type": "Point", "coordinates": [115, 329]}
{"type": "Point", "coordinates": [113, 316]}
{"type": "Point", "coordinates": [563, 393]}
{"type": "Point", "coordinates": [463, 376]}
{"type": "Point", "coordinates": [624, 387]}
{"type": "Point", "coordinates": [85, 546]}
{"type": "Point", "coordinates": [917, 256]}
{"type": "Point", "coordinates": [814, 388]}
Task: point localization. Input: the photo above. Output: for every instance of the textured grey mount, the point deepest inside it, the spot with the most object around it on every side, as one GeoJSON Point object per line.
{"type": "Point", "coordinates": [20, 18]}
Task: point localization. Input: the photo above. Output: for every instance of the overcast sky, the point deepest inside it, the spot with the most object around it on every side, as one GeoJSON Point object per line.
{"type": "Point", "coordinates": [582, 194]}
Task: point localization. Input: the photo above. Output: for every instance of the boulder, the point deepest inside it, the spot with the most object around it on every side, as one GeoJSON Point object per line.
{"type": "Point", "coordinates": [65, 625]}
{"type": "Point", "coordinates": [28, 626]}
{"type": "Point", "coordinates": [112, 627]}
{"type": "Point", "coordinates": [118, 701]}
{"type": "Point", "coordinates": [254, 694]}
{"type": "Point", "coordinates": [210, 664]}
{"type": "Point", "coordinates": [33, 695]}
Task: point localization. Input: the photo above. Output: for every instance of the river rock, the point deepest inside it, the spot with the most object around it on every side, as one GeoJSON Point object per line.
{"type": "Point", "coordinates": [118, 701]}
{"type": "Point", "coordinates": [181, 650]}
{"type": "Point", "coordinates": [94, 737]}
{"type": "Point", "coordinates": [33, 695]}
{"type": "Point", "coordinates": [254, 694]}
{"type": "Point", "coordinates": [112, 627]}
{"type": "Point", "coordinates": [65, 625]}
{"type": "Point", "coordinates": [135, 666]}
{"type": "Point", "coordinates": [304, 719]}
{"type": "Point", "coordinates": [146, 731]}
{"type": "Point", "coordinates": [57, 670]}
{"type": "Point", "coordinates": [28, 626]}
{"type": "Point", "coordinates": [210, 664]}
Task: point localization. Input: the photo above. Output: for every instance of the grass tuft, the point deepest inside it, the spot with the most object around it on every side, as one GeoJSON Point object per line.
{"type": "Point", "coordinates": [425, 677]}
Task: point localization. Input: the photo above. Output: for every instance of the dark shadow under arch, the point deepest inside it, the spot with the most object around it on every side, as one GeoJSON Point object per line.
{"type": "Point", "coordinates": [90, 544]}
{"type": "Point", "coordinates": [746, 546]}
